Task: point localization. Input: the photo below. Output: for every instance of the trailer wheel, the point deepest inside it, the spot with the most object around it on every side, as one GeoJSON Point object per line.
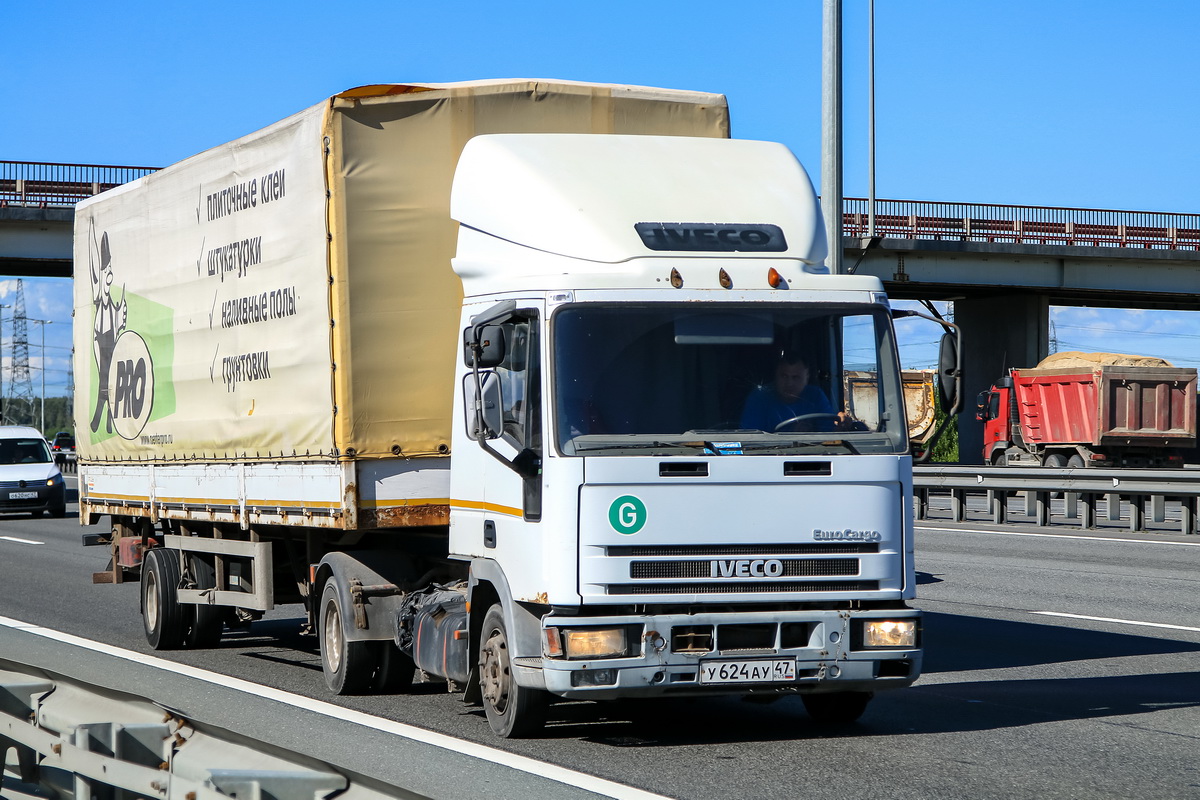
{"type": "Point", "coordinates": [836, 708]}
{"type": "Point", "coordinates": [207, 622]}
{"type": "Point", "coordinates": [1076, 462]}
{"type": "Point", "coordinates": [348, 665]}
{"type": "Point", "coordinates": [162, 615]}
{"type": "Point", "coordinates": [512, 711]}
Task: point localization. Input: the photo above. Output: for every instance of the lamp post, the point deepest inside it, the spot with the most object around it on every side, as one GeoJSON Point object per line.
{"type": "Point", "coordinates": [43, 323]}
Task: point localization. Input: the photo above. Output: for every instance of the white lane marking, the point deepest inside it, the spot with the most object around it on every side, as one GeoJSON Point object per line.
{"type": "Point", "coordinates": [579, 780]}
{"type": "Point", "coordinates": [1118, 621]}
{"type": "Point", "coordinates": [19, 541]}
{"type": "Point", "coordinates": [1055, 536]}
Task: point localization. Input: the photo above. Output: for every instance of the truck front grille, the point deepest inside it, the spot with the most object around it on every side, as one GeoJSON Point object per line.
{"type": "Point", "coordinates": [792, 568]}
{"type": "Point", "coordinates": [740, 550]}
{"type": "Point", "coordinates": [725, 587]}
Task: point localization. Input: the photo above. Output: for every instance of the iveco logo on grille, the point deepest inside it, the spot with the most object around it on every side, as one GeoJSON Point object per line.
{"type": "Point", "coordinates": [746, 568]}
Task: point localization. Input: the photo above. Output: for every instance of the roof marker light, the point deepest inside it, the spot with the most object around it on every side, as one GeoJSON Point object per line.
{"type": "Point", "coordinates": [775, 280]}
{"type": "Point", "coordinates": [726, 281]}
{"type": "Point", "coordinates": [676, 278]}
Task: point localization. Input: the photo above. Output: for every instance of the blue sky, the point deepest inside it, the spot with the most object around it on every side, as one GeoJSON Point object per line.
{"type": "Point", "coordinates": [1060, 103]}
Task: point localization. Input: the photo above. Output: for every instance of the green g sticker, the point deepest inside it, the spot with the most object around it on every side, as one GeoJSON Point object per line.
{"type": "Point", "coordinates": [627, 514]}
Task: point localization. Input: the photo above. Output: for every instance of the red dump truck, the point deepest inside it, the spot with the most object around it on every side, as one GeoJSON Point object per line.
{"type": "Point", "coordinates": [1091, 410]}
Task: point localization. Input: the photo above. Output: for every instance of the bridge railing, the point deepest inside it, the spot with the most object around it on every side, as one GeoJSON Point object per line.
{"type": "Point", "coordinates": [37, 184]}
{"type": "Point", "coordinates": [984, 222]}
{"type": "Point", "coordinates": [28, 183]}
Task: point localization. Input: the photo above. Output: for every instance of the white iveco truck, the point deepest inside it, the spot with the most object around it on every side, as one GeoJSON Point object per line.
{"type": "Point", "coordinates": [470, 372]}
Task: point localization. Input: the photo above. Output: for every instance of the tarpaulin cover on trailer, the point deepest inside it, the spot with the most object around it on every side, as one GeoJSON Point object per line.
{"type": "Point", "coordinates": [289, 294]}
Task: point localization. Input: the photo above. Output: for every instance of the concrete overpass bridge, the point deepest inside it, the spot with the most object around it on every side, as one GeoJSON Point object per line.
{"type": "Point", "coordinates": [1001, 266]}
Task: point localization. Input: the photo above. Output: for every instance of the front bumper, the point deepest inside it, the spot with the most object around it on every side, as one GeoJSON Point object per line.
{"type": "Point", "coordinates": [664, 659]}
{"type": "Point", "coordinates": [45, 498]}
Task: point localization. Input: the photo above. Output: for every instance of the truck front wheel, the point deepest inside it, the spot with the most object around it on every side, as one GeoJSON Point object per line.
{"type": "Point", "coordinates": [162, 615]}
{"type": "Point", "coordinates": [348, 665]}
{"type": "Point", "coordinates": [512, 711]}
{"type": "Point", "coordinates": [836, 708]}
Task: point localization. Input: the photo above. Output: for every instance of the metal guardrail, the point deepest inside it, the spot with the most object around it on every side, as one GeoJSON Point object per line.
{"type": "Point", "coordinates": [73, 740]}
{"type": "Point", "coordinates": [985, 222]}
{"type": "Point", "coordinates": [1146, 493]}
{"type": "Point", "coordinates": [28, 183]}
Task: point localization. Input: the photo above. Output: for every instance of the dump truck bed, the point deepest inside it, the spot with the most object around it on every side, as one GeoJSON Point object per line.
{"type": "Point", "coordinates": [1107, 406]}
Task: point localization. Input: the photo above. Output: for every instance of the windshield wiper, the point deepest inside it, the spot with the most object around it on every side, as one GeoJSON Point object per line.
{"type": "Point", "coordinates": [758, 448]}
{"type": "Point", "coordinates": [641, 446]}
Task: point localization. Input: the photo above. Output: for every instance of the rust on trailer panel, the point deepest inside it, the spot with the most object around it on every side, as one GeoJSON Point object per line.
{"type": "Point", "coordinates": [406, 516]}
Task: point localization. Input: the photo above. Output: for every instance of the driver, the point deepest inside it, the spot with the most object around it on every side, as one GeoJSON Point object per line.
{"type": "Point", "coordinates": [790, 396]}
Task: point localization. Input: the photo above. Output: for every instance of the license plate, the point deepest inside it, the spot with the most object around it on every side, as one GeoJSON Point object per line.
{"type": "Point", "coordinates": [22, 495]}
{"type": "Point", "coordinates": [757, 671]}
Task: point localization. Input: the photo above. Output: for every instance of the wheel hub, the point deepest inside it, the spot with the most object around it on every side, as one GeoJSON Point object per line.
{"type": "Point", "coordinates": [333, 637]}
{"type": "Point", "coordinates": [494, 674]}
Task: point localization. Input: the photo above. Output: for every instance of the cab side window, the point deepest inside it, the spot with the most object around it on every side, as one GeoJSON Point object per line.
{"type": "Point", "coordinates": [520, 400]}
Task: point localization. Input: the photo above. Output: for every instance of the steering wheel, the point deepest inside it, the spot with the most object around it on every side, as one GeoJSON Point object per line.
{"type": "Point", "coordinates": [804, 418]}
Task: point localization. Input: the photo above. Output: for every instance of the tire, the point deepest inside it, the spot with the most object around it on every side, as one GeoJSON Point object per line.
{"type": "Point", "coordinates": [512, 711]}
{"type": "Point", "coordinates": [162, 615]}
{"type": "Point", "coordinates": [836, 708]}
{"type": "Point", "coordinates": [58, 512]}
{"type": "Point", "coordinates": [348, 665]}
{"type": "Point", "coordinates": [1055, 461]}
{"type": "Point", "coordinates": [1076, 462]}
{"type": "Point", "coordinates": [206, 623]}
{"type": "Point", "coordinates": [1000, 459]}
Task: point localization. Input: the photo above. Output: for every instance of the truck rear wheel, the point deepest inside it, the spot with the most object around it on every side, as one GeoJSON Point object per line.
{"type": "Point", "coordinates": [1076, 462]}
{"type": "Point", "coordinates": [512, 711]}
{"type": "Point", "coordinates": [162, 616]}
{"type": "Point", "coordinates": [836, 708]}
{"type": "Point", "coordinates": [348, 665]}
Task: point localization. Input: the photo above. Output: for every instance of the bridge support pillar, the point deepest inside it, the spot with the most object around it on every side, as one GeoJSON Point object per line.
{"type": "Point", "coordinates": [999, 332]}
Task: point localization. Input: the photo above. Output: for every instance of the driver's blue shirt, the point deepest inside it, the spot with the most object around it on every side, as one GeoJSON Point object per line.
{"type": "Point", "coordinates": [764, 410]}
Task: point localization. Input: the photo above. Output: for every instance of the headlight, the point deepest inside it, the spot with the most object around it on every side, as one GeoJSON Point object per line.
{"type": "Point", "coordinates": [588, 642]}
{"type": "Point", "coordinates": [890, 633]}
{"type": "Point", "coordinates": [53, 480]}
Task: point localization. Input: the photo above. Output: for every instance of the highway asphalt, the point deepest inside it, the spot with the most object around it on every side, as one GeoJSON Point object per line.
{"type": "Point", "coordinates": [1059, 664]}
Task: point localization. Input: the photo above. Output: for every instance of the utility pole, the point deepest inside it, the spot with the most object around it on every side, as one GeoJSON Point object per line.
{"type": "Point", "coordinates": [831, 131]}
{"type": "Point", "coordinates": [21, 402]}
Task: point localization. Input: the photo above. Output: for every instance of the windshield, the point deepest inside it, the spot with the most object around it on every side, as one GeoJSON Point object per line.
{"type": "Point", "coordinates": [24, 451]}
{"type": "Point", "coordinates": [735, 380]}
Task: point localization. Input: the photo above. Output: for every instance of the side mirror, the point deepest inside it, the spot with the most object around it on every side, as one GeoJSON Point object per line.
{"type": "Point", "coordinates": [491, 399]}
{"type": "Point", "coordinates": [493, 346]}
{"type": "Point", "coordinates": [949, 372]}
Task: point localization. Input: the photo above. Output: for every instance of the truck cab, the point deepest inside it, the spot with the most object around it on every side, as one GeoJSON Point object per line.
{"type": "Point", "coordinates": [629, 530]}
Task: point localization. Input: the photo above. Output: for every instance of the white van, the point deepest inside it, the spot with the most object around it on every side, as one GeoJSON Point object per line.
{"type": "Point", "coordinates": [30, 481]}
